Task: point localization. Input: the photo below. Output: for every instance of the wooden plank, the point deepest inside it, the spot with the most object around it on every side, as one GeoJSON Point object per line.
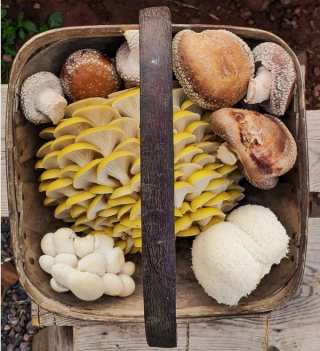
{"type": "Point", "coordinates": [296, 325]}
{"type": "Point", "coordinates": [53, 339]}
{"type": "Point", "coordinates": [4, 194]}
{"type": "Point", "coordinates": [313, 125]}
{"type": "Point", "coordinates": [114, 337]}
{"type": "Point", "coordinates": [157, 179]}
{"type": "Point", "coordinates": [314, 164]}
{"type": "Point", "coordinates": [239, 334]}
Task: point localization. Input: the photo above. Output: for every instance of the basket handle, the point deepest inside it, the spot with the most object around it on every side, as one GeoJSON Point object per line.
{"type": "Point", "coordinates": [157, 177]}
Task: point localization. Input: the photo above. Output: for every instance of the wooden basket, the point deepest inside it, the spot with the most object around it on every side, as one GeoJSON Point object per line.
{"type": "Point", "coordinates": [30, 220]}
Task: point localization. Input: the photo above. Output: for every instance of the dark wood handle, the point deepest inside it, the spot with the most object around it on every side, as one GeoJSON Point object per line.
{"type": "Point", "coordinates": [157, 177]}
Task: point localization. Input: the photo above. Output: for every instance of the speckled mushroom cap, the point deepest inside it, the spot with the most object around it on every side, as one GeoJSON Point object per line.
{"type": "Point", "coordinates": [264, 145]}
{"type": "Point", "coordinates": [88, 73]}
{"type": "Point", "coordinates": [276, 60]}
{"type": "Point", "coordinates": [213, 67]}
{"type": "Point", "coordinates": [127, 58]}
{"type": "Point", "coordinates": [31, 89]}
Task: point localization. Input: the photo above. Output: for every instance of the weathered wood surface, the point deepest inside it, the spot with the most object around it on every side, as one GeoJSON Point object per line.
{"type": "Point", "coordinates": [53, 338]}
{"type": "Point", "coordinates": [157, 189]}
{"type": "Point", "coordinates": [4, 194]}
{"type": "Point", "coordinates": [294, 326]}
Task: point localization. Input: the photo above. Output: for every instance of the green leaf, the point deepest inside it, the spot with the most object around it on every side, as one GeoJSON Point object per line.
{"type": "Point", "coordinates": [10, 39]}
{"type": "Point", "coordinates": [29, 26]}
{"type": "Point", "coordinates": [55, 20]}
{"type": "Point", "coordinates": [22, 34]}
{"type": "Point", "coordinates": [8, 23]}
{"type": "Point", "coordinates": [43, 27]}
{"type": "Point", "coordinates": [20, 18]}
{"type": "Point", "coordinates": [8, 51]}
{"type": "Point", "coordinates": [10, 29]}
{"type": "Point", "coordinates": [3, 13]}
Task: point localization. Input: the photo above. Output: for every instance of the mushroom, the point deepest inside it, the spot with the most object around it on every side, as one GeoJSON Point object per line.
{"type": "Point", "coordinates": [273, 84]}
{"type": "Point", "coordinates": [127, 58]}
{"type": "Point", "coordinates": [86, 286]}
{"type": "Point", "coordinates": [128, 268]}
{"type": "Point", "coordinates": [46, 262]}
{"type": "Point", "coordinates": [115, 260]}
{"type": "Point", "coordinates": [63, 241]}
{"type": "Point", "coordinates": [230, 258]}
{"type": "Point", "coordinates": [57, 287]}
{"type": "Point", "coordinates": [79, 153]}
{"type": "Point", "coordinates": [103, 244]}
{"type": "Point", "coordinates": [94, 263]}
{"type": "Point", "coordinates": [42, 98]}
{"type": "Point", "coordinates": [88, 73]}
{"type": "Point", "coordinates": [263, 144]}
{"type": "Point", "coordinates": [113, 284]}
{"type": "Point", "coordinates": [67, 258]}
{"type": "Point", "coordinates": [84, 246]}
{"type": "Point", "coordinates": [213, 67]}
{"type": "Point", "coordinates": [226, 155]}
{"type": "Point", "coordinates": [47, 246]}
{"type": "Point", "coordinates": [129, 285]}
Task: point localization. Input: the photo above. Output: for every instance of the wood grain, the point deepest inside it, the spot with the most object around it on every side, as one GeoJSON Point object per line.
{"type": "Point", "coordinates": [157, 179]}
{"type": "Point", "coordinates": [114, 337]}
{"type": "Point", "coordinates": [53, 338]}
{"type": "Point", "coordinates": [296, 325]}
{"type": "Point", "coordinates": [314, 163]}
{"type": "Point", "coordinates": [4, 194]}
{"type": "Point", "coordinates": [313, 125]}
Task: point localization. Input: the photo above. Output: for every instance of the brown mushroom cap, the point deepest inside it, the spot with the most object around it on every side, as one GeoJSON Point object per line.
{"type": "Point", "coordinates": [88, 73]}
{"type": "Point", "coordinates": [264, 145]}
{"type": "Point", "coordinates": [277, 61]}
{"type": "Point", "coordinates": [213, 67]}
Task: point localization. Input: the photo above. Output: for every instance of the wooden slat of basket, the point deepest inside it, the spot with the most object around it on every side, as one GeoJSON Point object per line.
{"type": "Point", "coordinates": [157, 177]}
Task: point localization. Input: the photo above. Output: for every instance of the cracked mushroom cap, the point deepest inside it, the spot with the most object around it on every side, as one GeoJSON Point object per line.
{"type": "Point", "coordinates": [42, 98]}
{"type": "Point", "coordinates": [277, 61]}
{"type": "Point", "coordinates": [89, 73]}
{"type": "Point", "coordinates": [263, 144]}
{"type": "Point", "coordinates": [127, 58]}
{"type": "Point", "coordinates": [213, 67]}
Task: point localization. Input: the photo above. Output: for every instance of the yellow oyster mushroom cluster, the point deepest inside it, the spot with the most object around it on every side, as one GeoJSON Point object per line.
{"type": "Point", "coordinates": [91, 169]}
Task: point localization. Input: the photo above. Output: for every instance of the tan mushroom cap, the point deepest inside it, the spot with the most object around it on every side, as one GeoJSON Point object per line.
{"type": "Point", "coordinates": [213, 67]}
{"type": "Point", "coordinates": [264, 145]}
{"type": "Point", "coordinates": [88, 73]}
{"type": "Point", "coordinates": [277, 61]}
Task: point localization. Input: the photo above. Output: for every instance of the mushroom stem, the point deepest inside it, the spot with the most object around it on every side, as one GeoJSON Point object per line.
{"type": "Point", "coordinates": [226, 155]}
{"type": "Point", "coordinates": [259, 87]}
{"type": "Point", "coordinates": [51, 104]}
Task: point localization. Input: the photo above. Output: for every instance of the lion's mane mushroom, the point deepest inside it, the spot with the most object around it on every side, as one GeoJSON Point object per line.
{"type": "Point", "coordinates": [230, 258]}
{"type": "Point", "coordinates": [213, 67]}
{"type": "Point", "coordinates": [127, 58]}
{"type": "Point", "coordinates": [42, 98]}
{"type": "Point", "coordinates": [263, 144]}
{"type": "Point", "coordinates": [88, 73]}
{"type": "Point", "coordinates": [273, 84]}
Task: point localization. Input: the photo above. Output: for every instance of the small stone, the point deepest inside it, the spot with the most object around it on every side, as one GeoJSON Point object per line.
{"type": "Point", "coordinates": [294, 24]}
{"type": "Point", "coordinates": [24, 346]}
{"type": "Point", "coordinates": [14, 297]}
{"type": "Point", "coordinates": [37, 6]}
{"type": "Point", "coordinates": [317, 87]}
{"type": "Point", "coordinates": [251, 22]}
{"type": "Point", "coordinates": [26, 337]}
{"type": "Point", "coordinates": [10, 347]}
{"type": "Point", "coordinates": [13, 320]}
{"type": "Point", "coordinates": [29, 326]}
{"type": "Point", "coordinates": [17, 341]}
{"type": "Point", "coordinates": [272, 18]}
{"type": "Point", "coordinates": [316, 71]}
{"type": "Point", "coordinates": [7, 327]}
{"type": "Point", "coordinates": [245, 15]}
{"type": "Point", "coordinates": [7, 58]}
{"type": "Point", "coordinates": [316, 93]}
{"type": "Point", "coordinates": [297, 11]}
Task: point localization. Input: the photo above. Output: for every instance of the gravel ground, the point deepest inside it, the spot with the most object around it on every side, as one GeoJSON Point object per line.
{"type": "Point", "coordinates": [16, 329]}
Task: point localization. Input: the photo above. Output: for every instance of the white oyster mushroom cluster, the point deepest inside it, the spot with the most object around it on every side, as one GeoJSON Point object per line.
{"type": "Point", "coordinates": [230, 258]}
{"type": "Point", "coordinates": [87, 266]}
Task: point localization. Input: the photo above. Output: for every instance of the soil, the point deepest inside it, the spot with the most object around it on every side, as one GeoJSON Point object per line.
{"type": "Point", "coordinates": [298, 24]}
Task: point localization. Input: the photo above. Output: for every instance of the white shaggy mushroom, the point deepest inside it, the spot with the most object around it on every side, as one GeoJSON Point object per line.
{"type": "Point", "coordinates": [46, 262]}
{"type": "Point", "coordinates": [115, 259]}
{"type": "Point", "coordinates": [42, 98]}
{"type": "Point", "coordinates": [129, 285]}
{"type": "Point", "coordinates": [57, 287]}
{"type": "Point", "coordinates": [127, 58]}
{"type": "Point", "coordinates": [230, 258]}
{"type": "Point", "coordinates": [128, 268]}
{"type": "Point", "coordinates": [94, 263]}
{"type": "Point", "coordinates": [47, 246]}
{"type": "Point", "coordinates": [63, 241]}
{"type": "Point", "coordinates": [113, 284]}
